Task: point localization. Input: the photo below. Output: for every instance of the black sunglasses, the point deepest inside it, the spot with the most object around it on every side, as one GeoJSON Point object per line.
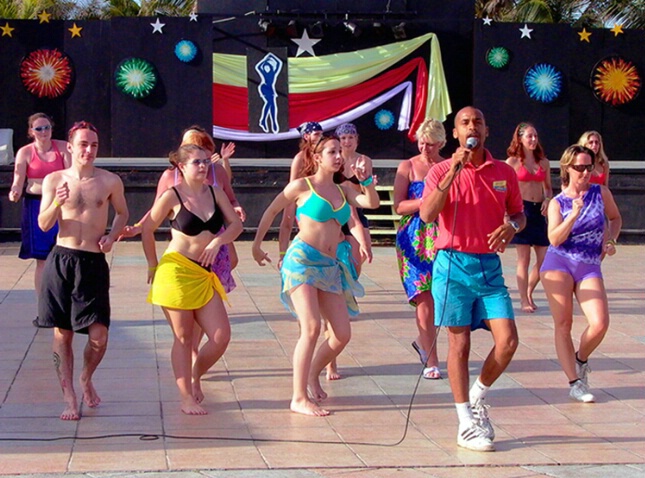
{"type": "Point", "coordinates": [581, 168]}
{"type": "Point", "coordinates": [40, 129]}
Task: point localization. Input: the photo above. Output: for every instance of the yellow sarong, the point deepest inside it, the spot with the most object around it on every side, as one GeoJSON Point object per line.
{"type": "Point", "coordinates": [180, 283]}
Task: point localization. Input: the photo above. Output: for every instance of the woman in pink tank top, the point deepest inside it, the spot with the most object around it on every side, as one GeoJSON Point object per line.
{"type": "Point", "coordinates": [33, 162]}
{"type": "Point", "coordinates": [526, 156]}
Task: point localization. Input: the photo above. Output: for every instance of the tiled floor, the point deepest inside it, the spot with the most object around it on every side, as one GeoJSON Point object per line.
{"type": "Point", "coordinates": [249, 427]}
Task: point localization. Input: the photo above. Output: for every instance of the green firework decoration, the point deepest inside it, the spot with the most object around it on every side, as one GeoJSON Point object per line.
{"type": "Point", "coordinates": [498, 57]}
{"type": "Point", "coordinates": [135, 77]}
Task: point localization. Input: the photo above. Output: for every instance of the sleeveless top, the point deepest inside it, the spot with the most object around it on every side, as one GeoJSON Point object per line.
{"type": "Point", "coordinates": [191, 224]}
{"type": "Point", "coordinates": [38, 169]}
{"type": "Point", "coordinates": [584, 244]}
{"type": "Point", "coordinates": [524, 175]}
{"type": "Point", "coordinates": [320, 209]}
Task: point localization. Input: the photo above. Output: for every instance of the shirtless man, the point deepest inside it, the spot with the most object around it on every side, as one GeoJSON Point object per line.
{"type": "Point", "coordinates": [74, 295]}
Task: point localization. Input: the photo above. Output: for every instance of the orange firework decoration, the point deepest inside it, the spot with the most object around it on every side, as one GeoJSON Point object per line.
{"type": "Point", "coordinates": [615, 81]}
{"type": "Point", "coordinates": [46, 73]}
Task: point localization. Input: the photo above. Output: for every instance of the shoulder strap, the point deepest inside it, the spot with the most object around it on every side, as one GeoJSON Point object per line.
{"type": "Point", "coordinates": [213, 195]}
{"type": "Point", "coordinates": [178, 196]}
{"type": "Point", "coordinates": [309, 184]}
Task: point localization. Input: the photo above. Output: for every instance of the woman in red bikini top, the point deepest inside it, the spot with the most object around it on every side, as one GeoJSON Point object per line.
{"type": "Point", "coordinates": [526, 156]}
{"type": "Point", "coordinates": [39, 158]}
{"type": "Point", "coordinates": [593, 141]}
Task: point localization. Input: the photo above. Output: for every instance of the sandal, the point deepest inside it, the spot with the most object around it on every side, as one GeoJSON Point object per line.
{"type": "Point", "coordinates": [432, 373]}
{"type": "Point", "coordinates": [423, 356]}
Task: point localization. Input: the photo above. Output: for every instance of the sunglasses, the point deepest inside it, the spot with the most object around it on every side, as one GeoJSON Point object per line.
{"type": "Point", "coordinates": [581, 168]}
{"type": "Point", "coordinates": [197, 162]}
{"type": "Point", "coordinates": [40, 129]}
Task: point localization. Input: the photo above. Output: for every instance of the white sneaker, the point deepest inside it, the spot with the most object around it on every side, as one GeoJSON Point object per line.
{"type": "Point", "coordinates": [583, 370]}
{"type": "Point", "coordinates": [580, 391]}
{"type": "Point", "coordinates": [474, 438]}
{"type": "Point", "coordinates": [480, 413]}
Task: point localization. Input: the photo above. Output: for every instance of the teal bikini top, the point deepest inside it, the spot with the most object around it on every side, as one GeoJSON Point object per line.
{"type": "Point", "coordinates": [320, 210]}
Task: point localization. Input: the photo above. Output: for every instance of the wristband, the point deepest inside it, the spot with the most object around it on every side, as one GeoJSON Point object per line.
{"type": "Point", "coordinates": [612, 242]}
{"type": "Point", "coordinates": [56, 203]}
{"type": "Point", "coordinates": [366, 182]}
{"type": "Point", "coordinates": [136, 224]}
{"type": "Point", "coordinates": [282, 253]}
{"type": "Point", "coordinates": [152, 268]}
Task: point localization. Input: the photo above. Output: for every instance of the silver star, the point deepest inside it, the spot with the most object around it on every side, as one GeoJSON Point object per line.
{"type": "Point", "coordinates": [193, 17]}
{"type": "Point", "coordinates": [487, 21]}
{"type": "Point", "coordinates": [526, 31]}
{"type": "Point", "coordinates": [305, 44]}
{"type": "Point", "coordinates": [157, 26]}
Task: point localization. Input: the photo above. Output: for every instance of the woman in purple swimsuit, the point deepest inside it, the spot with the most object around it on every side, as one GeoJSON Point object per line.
{"type": "Point", "coordinates": [571, 267]}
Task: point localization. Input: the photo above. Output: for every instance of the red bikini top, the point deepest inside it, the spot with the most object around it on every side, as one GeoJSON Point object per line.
{"type": "Point", "coordinates": [524, 175]}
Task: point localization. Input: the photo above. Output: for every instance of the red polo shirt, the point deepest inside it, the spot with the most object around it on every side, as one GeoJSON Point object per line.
{"type": "Point", "coordinates": [481, 196]}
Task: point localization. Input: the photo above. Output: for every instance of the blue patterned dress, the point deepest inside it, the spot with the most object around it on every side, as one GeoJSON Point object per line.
{"type": "Point", "coordinates": [415, 249]}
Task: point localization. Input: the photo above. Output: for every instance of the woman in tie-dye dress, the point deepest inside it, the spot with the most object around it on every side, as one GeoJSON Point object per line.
{"type": "Point", "coordinates": [415, 240]}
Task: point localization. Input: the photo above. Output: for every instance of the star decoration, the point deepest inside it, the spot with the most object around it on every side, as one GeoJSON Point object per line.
{"type": "Point", "coordinates": [584, 35]}
{"type": "Point", "coordinates": [75, 30]}
{"type": "Point", "coordinates": [305, 44]}
{"type": "Point", "coordinates": [487, 21]}
{"type": "Point", "coordinates": [526, 32]}
{"type": "Point", "coordinates": [193, 17]}
{"type": "Point", "coordinates": [157, 26]}
{"type": "Point", "coordinates": [6, 30]}
{"type": "Point", "coordinates": [617, 30]}
{"type": "Point", "coordinates": [44, 16]}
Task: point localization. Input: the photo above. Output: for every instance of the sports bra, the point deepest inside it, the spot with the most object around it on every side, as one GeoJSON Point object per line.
{"type": "Point", "coordinates": [191, 224]}
{"type": "Point", "coordinates": [320, 209]}
{"type": "Point", "coordinates": [38, 169]}
{"type": "Point", "coordinates": [524, 175]}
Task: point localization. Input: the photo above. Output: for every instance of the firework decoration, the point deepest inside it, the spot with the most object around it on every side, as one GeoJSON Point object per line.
{"type": "Point", "coordinates": [384, 119]}
{"type": "Point", "coordinates": [615, 81]}
{"type": "Point", "coordinates": [186, 51]}
{"type": "Point", "coordinates": [135, 77]}
{"type": "Point", "coordinates": [543, 83]}
{"type": "Point", "coordinates": [46, 73]}
{"type": "Point", "coordinates": [498, 57]}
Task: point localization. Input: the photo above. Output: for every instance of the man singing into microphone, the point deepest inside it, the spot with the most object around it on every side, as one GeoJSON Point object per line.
{"type": "Point", "coordinates": [479, 206]}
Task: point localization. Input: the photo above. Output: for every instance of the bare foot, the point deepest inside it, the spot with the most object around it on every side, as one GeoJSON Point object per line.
{"type": "Point", "coordinates": [90, 397]}
{"type": "Point", "coordinates": [71, 412]}
{"type": "Point", "coordinates": [532, 304]}
{"type": "Point", "coordinates": [190, 407]}
{"type": "Point", "coordinates": [332, 373]}
{"type": "Point", "coordinates": [198, 395]}
{"type": "Point", "coordinates": [307, 407]}
{"type": "Point", "coordinates": [526, 307]}
{"type": "Point", "coordinates": [315, 390]}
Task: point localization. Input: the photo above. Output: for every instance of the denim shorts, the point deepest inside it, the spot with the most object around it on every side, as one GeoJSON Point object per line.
{"type": "Point", "coordinates": [469, 289]}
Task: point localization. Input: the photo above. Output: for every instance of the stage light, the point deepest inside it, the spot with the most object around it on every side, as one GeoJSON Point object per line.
{"type": "Point", "coordinates": [399, 31]}
{"type": "Point", "coordinates": [264, 24]}
{"type": "Point", "coordinates": [317, 30]}
{"type": "Point", "coordinates": [292, 29]}
{"type": "Point", "coordinates": [352, 28]}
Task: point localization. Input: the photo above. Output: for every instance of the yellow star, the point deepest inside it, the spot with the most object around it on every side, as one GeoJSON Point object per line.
{"type": "Point", "coordinates": [44, 16]}
{"type": "Point", "coordinates": [618, 29]}
{"type": "Point", "coordinates": [76, 31]}
{"type": "Point", "coordinates": [6, 29]}
{"type": "Point", "coordinates": [584, 35]}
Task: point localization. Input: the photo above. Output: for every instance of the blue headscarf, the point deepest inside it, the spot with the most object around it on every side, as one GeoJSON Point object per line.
{"type": "Point", "coordinates": [308, 128]}
{"type": "Point", "coordinates": [346, 128]}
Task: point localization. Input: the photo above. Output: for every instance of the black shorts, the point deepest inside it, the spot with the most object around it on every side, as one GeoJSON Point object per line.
{"type": "Point", "coordinates": [75, 290]}
{"type": "Point", "coordinates": [535, 233]}
{"type": "Point", "coordinates": [361, 216]}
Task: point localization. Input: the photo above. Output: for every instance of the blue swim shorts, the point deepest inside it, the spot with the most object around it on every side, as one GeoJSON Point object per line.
{"type": "Point", "coordinates": [469, 289]}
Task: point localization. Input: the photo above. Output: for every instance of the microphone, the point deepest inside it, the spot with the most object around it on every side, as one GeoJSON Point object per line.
{"type": "Point", "coordinates": [471, 143]}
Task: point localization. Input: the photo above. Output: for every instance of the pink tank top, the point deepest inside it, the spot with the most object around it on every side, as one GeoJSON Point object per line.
{"type": "Point", "coordinates": [524, 175]}
{"type": "Point", "coordinates": [38, 169]}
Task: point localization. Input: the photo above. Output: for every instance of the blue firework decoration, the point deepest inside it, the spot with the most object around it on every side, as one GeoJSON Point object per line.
{"type": "Point", "coordinates": [384, 119]}
{"type": "Point", "coordinates": [543, 83]}
{"type": "Point", "coordinates": [498, 57]}
{"type": "Point", "coordinates": [186, 51]}
{"type": "Point", "coordinates": [135, 77]}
